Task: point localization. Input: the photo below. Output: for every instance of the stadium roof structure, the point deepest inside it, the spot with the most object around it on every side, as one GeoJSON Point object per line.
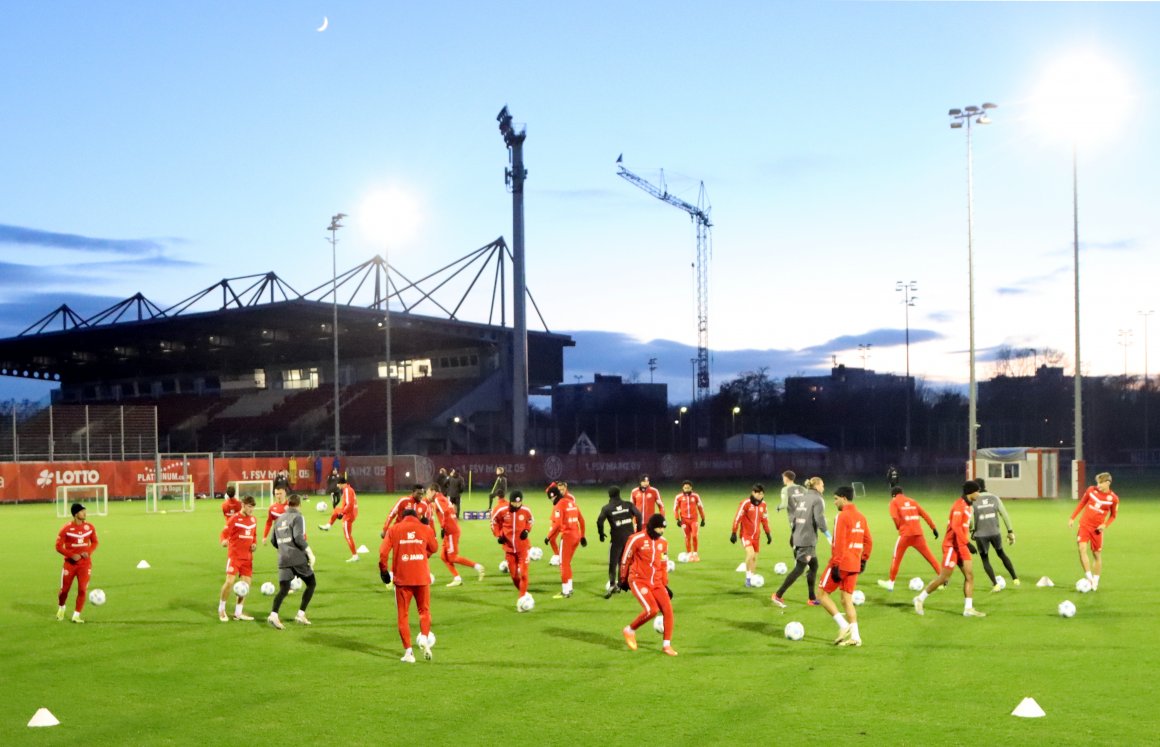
{"type": "Point", "coordinates": [241, 323]}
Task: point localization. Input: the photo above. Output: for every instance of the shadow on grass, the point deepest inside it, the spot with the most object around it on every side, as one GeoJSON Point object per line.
{"type": "Point", "coordinates": [750, 626]}
{"type": "Point", "coordinates": [346, 643]}
{"type": "Point", "coordinates": [603, 640]}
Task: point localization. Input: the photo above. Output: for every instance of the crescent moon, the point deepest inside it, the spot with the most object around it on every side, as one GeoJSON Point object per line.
{"type": "Point", "coordinates": [325, 23]}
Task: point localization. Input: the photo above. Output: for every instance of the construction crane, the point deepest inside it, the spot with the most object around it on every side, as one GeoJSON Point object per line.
{"type": "Point", "coordinates": [699, 214]}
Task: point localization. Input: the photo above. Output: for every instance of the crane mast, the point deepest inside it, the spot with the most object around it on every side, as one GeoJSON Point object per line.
{"type": "Point", "coordinates": [699, 214]}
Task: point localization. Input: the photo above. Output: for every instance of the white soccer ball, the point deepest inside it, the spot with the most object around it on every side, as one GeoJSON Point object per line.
{"type": "Point", "coordinates": [525, 603]}
{"type": "Point", "coordinates": [1066, 608]}
{"type": "Point", "coordinates": [1000, 582]}
{"type": "Point", "coordinates": [780, 569]}
{"type": "Point", "coordinates": [1083, 586]}
{"type": "Point", "coordinates": [554, 560]}
{"type": "Point", "coordinates": [503, 566]}
{"type": "Point", "coordinates": [916, 584]}
{"type": "Point", "coordinates": [535, 553]}
{"type": "Point", "coordinates": [431, 639]}
{"type": "Point", "coordinates": [858, 597]}
{"type": "Point", "coordinates": [671, 565]}
{"type": "Point", "coordinates": [757, 580]}
{"type": "Point", "coordinates": [322, 507]}
{"type": "Point", "coordinates": [659, 624]}
{"type": "Point", "coordinates": [683, 557]}
{"type": "Point", "coordinates": [795, 631]}
{"type": "Point", "coordinates": [242, 588]}
{"type": "Point", "coordinates": [296, 584]}
{"type": "Point", "coordinates": [97, 597]}
{"type": "Point", "coordinates": [268, 589]}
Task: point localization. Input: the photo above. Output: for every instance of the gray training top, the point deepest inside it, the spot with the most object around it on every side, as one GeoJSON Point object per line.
{"type": "Point", "coordinates": [985, 515]}
{"type": "Point", "coordinates": [807, 517]}
{"type": "Point", "coordinates": [290, 539]}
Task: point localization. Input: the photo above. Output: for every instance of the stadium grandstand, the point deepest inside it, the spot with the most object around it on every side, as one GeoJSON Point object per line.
{"type": "Point", "coordinates": [247, 364]}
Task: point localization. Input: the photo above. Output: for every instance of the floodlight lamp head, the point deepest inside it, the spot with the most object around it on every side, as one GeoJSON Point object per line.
{"type": "Point", "coordinates": [983, 120]}
{"type": "Point", "coordinates": [972, 109]}
{"type": "Point", "coordinates": [989, 105]}
{"type": "Point", "coordinates": [956, 125]}
{"type": "Point", "coordinates": [954, 112]}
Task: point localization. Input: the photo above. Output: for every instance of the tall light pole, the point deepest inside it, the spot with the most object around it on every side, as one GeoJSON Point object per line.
{"type": "Point", "coordinates": [514, 177]}
{"type": "Point", "coordinates": [908, 300]}
{"type": "Point", "coordinates": [1078, 479]}
{"type": "Point", "coordinates": [736, 410]}
{"type": "Point", "coordinates": [1145, 315]}
{"type": "Point", "coordinates": [1125, 343]}
{"type": "Point", "coordinates": [333, 228]}
{"type": "Point", "coordinates": [864, 351]}
{"type": "Point", "coordinates": [971, 115]}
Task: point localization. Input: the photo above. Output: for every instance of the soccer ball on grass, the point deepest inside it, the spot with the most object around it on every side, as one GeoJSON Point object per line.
{"type": "Point", "coordinates": [795, 631]}
{"type": "Point", "coordinates": [322, 507]}
{"type": "Point", "coordinates": [858, 597]}
{"type": "Point", "coordinates": [671, 565]}
{"type": "Point", "coordinates": [242, 588]}
{"type": "Point", "coordinates": [296, 584]}
{"type": "Point", "coordinates": [268, 589]}
{"type": "Point", "coordinates": [1067, 608]}
{"type": "Point", "coordinates": [1083, 586]}
{"type": "Point", "coordinates": [503, 566]}
{"type": "Point", "coordinates": [525, 603]}
{"type": "Point", "coordinates": [554, 560]}
{"type": "Point", "coordinates": [916, 584]}
{"type": "Point", "coordinates": [683, 557]}
{"type": "Point", "coordinates": [780, 569]}
{"type": "Point", "coordinates": [535, 554]}
{"type": "Point", "coordinates": [1000, 582]}
{"type": "Point", "coordinates": [757, 581]}
{"type": "Point", "coordinates": [97, 597]}
{"type": "Point", "coordinates": [659, 624]}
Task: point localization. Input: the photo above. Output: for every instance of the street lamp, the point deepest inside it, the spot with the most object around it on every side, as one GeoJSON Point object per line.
{"type": "Point", "coordinates": [736, 410]}
{"type": "Point", "coordinates": [1125, 343]}
{"type": "Point", "coordinates": [333, 228]}
{"type": "Point", "coordinates": [908, 300]}
{"type": "Point", "coordinates": [971, 115]}
{"type": "Point", "coordinates": [1145, 315]}
{"type": "Point", "coordinates": [681, 422]}
{"type": "Point", "coordinates": [864, 350]}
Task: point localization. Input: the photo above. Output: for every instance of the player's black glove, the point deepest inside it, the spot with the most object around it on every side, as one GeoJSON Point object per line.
{"type": "Point", "coordinates": [425, 520]}
{"type": "Point", "coordinates": [678, 522]}
{"type": "Point", "coordinates": [501, 540]}
{"type": "Point", "coordinates": [602, 536]}
{"type": "Point", "coordinates": [339, 518]}
{"type": "Point", "coordinates": [971, 548]}
{"type": "Point", "coordinates": [836, 573]}
{"type": "Point", "coordinates": [442, 534]}
{"type": "Point", "coordinates": [385, 576]}
{"type": "Point", "coordinates": [768, 538]}
{"type": "Point", "coordinates": [547, 541]}
{"type": "Point", "coordinates": [1099, 530]}
{"type": "Point", "coordinates": [702, 522]}
{"type": "Point", "coordinates": [863, 568]}
{"type": "Point", "coordinates": [583, 542]}
{"type": "Point", "coordinates": [935, 530]}
{"type": "Point", "coordinates": [670, 591]}
{"type": "Point", "coordinates": [524, 534]}
{"type": "Point", "coordinates": [623, 585]}
{"type": "Point", "coordinates": [733, 538]}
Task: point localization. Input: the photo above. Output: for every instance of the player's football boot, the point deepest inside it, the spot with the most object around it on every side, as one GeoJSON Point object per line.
{"type": "Point", "coordinates": [918, 606]}
{"type": "Point", "coordinates": [60, 613]}
{"type": "Point", "coordinates": [275, 623]}
{"type": "Point", "coordinates": [996, 588]}
{"type": "Point", "coordinates": [243, 617]}
{"type": "Point", "coordinates": [972, 612]}
{"type": "Point", "coordinates": [301, 618]}
{"type": "Point", "coordinates": [408, 658]}
{"type": "Point", "coordinates": [77, 618]}
{"type": "Point", "coordinates": [426, 652]}
{"type": "Point", "coordinates": [843, 635]}
{"type": "Point", "coordinates": [223, 616]}
{"type": "Point", "coordinates": [814, 603]}
{"type": "Point", "coordinates": [888, 585]}
{"type": "Point", "coordinates": [324, 527]}
{"type": "Point", "coordinates": [1015, 581]}
{"type": "Point", "coordinates": [562, 595]}
{"type": "Point", "coordinates": [668, 651]}
{"type": "Point", "coordinates": [353, 558]}
{"type": "Point", "coordinates": [480, 570]}
{"type": "Point", "coordinates": [457, 581]}
{"type": "Point", "coordinates": [856, 642]}
{"type": "Point", "coordinates": [777, 600]}
{"type": "Point", "coordinates": [630, 638]}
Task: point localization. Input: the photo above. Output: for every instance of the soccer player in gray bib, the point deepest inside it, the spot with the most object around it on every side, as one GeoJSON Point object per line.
{"type": "Point", "coordinates": [988, 509]}
{"type": "Point", "coordinates": [807, 517]}
{"type": "Point", "coordinates": [295, 559]}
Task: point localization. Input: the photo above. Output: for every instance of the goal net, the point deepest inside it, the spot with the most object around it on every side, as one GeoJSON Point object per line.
{"type": "Point", "coordinates": [95, 499]}
{"type": "Point", "coordinates": [261, 490]}
{"type": "Point", "coordinates": [168, 496]}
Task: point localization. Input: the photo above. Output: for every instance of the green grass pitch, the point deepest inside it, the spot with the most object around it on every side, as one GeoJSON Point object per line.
{"type": "Point", "coordinates": [155, 666]}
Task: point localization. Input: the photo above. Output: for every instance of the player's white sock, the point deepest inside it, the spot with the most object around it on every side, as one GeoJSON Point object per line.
{"type": "Point", "coordinates": [854, 632]}
{"type": "Point", "coordinates": [923, 595]}
{"type": "Point", "coordinates": [840, 620]}
{"type": "Point", "coordinates": [237, 610]}
{"type": "Point", "coordinates": [221, 606]}
{"type": "Point", "coordinates": [1095, 580]}
{"type": "Point", "coordinates": [748, 575]}
{"type": "Point", "coordinates": [408, 652]}
{"type": "Point", "coordinates": [968, 603]}
{"type": "Point", "coordinates": [667, 644]}
{"type": "Point", "coordinates": [1089, 576]}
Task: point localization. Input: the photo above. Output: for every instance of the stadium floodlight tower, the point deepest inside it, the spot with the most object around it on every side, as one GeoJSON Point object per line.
{"type": "Point", "coordinates": [959, 117]}
{"type": "Point", "coordinates": [514, 177]}
{"type": "Point", "coordinates": [908, 301]}
{"type": "Point", "coordinates": [699, 214]}
{"type": "Point", "coordinates": [333, 228]}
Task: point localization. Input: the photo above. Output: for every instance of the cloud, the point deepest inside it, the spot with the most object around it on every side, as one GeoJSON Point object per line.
{"type": "Point", "coordinates": [1008, 291]}
{"type": "Point", "coordinates": [940, 316]}
{"type": "Point", "coordinates": [881, 338]}
{"type": "Point", "coordinates": [20, 236]}
{"type": "Point", "coordinates": [1028, 284]}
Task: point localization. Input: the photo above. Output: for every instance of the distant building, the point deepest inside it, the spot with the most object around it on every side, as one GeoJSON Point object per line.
{"type": "Point", "coordinates": [615, 416]}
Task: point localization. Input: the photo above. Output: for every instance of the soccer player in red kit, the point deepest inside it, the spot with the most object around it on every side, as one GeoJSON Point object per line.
{"type": "Point", "coordinates": [1098, 506]}
{"type": "Point", "coordinates": [277, 508]}
{"type": "Point", "coordinates": [644, 570]}
{"type": "Point", "coordinates": [752, 516]}
{"type": "Point", "coordinates": [240, 537]}
{"type": "Point", "coordinates": [231, 505]}
{"type": "Point", "coordinates": [647, 500]}
{"type": "Point", "coordinates": [687, 507]}
{"type": "Point", "coordinates": [957, 551]}
{"type": "Point", "coordinates": [416, 502]}
{"type": "Point", "coordinates": [449, 531]}
{"type": "Point", "coordinates": [403, 560]}
{"type": "Point", "coordinates": [511, 525]}
{"type": "Point", "coordinates": [347, 511]}
{"type": "Point", "coordinates": [906, 514]}
{"type": "Point", "coordinates": [848, 555]}
{"type": "Point", "coordinates": [568, 525]}
{"type": "Point", "coordinates": [76, 541]}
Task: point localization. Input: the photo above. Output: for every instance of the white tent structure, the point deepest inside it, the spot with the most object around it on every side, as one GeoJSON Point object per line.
{"type": "Point", "coordinates": [768, 443]}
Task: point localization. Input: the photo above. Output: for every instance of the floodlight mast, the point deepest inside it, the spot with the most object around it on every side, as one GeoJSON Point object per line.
{"type": "Point", "coordinates": [699, 214]}
{"type": "Point", "coordinates": [514, 177]}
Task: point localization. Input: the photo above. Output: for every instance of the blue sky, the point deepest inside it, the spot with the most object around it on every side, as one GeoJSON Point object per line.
{"type": "Point", "coordinates": [161, 147]}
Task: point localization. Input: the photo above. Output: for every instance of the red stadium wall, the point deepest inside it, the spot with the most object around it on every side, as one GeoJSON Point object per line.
{"type": "Point", "coordinates": [29, 481]}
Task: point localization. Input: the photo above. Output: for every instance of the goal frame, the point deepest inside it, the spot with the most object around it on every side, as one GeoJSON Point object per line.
{"type": "Point", "coordinates": [262, 499]}
{"type": "Point", "coordinates": [97, 505]}
{"type": "Point", "coordinates": [154, 495]}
